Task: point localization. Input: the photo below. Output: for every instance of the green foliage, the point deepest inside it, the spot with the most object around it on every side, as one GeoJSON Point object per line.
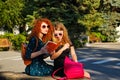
{"type": "Point", "coordinates": [110, 33]}
{"type": "Point", "coordinates": [79, 16]}
{"type": "Point", "coordinates": [91, 20]}
{"type": "Point", "coordinates": [8, 36]}
{"type": "Point", "coordinates": [77, 43]}
{"type": "Point", "coordinates": [10, 14]}
{"type": "Point", "coordinates": [105, 33]}
{"type": "Point", "coordinates": [115, 3]}
{"type": "Point", "coordinates": [29, 20]}
{"type": "Point", "coordinates": [17, 40]}
{"type": "Point", "coordinates": [102, 37]}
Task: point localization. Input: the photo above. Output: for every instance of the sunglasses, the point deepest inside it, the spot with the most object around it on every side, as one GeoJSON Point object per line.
{"type": "Point", "coordinates": [59, 34]}
{"type": "Point", "coordinates": [44, 26]}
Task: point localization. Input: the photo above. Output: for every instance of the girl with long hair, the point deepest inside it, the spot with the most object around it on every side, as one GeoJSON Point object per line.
{"type": "Point", "coordinates": [65, 48]}
{"type": "Point", "coordinates": [41, 33]}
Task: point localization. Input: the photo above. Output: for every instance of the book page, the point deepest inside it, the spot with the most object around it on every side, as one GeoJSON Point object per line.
{"type": "Point", "coordinates": [51, 46]}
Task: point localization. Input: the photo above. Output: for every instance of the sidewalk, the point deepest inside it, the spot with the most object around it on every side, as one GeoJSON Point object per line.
{"type": "Point", "coordinates": [11, 65]}
{"type": "Point", "coordinates": [109, 45]}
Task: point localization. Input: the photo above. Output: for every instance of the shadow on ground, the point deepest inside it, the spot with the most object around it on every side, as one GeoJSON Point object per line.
{"type": "Point", "coordinates": [8, 75]}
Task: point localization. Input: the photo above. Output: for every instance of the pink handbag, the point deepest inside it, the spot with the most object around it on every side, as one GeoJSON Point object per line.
{"type": "Point", "coordinates": [72, 70]}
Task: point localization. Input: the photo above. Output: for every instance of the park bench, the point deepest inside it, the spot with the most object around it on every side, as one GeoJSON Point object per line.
{"type": "Point", "coordinates": [93, 39]}
{"type": "Point", "coordinates": [5, 43]}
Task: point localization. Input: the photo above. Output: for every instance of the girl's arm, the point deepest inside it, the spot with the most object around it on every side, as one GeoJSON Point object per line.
{"type": "Point", "coordinates": [59, 52]}
{"type": "Point", "coordinates": [56, 54]}
{"type": "Point", "coordinates": [31, 46]}
{"type": "Point", "coordinates": [37, 53]}
{"type": "Point", "coordinates": [73, 54]}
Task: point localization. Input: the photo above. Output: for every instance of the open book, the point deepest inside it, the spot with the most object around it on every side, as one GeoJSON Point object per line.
{"type": "Point", "coordinates": [51, 46]}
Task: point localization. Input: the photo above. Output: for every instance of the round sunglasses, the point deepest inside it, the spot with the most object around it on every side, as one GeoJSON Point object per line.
{"type": "Point", "coordinates": [44, 26]}
{"type": "Point", "coordinates": [58, 34]}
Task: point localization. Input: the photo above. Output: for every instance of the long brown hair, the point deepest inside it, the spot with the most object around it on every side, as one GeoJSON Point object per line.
{"type": "Point", "coordinates": [36, 29]}
{"type": "Point", "coordinates": [60, 26]}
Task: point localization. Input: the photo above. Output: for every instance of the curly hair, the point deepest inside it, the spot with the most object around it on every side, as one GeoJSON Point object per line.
{"type": "Point", "coordinates": [36, 29]}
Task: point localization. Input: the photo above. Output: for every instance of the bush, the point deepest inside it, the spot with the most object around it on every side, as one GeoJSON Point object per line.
{"type": "Point", "coordinates": [101, 36]}
{"type": "Point", "coordinates": [77, 43]}
{"type": "Point", "coordinates": [17, 40]}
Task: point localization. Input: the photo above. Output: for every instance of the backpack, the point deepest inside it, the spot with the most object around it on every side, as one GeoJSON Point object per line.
{"type": "Point", "coordinates": [23, 52]}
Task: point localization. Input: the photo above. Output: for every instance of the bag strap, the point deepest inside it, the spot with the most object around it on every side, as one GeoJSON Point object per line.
{"type": "Point", "coordinates": [53, 74]}
{"type": "Point", "coordinates": [63, 78]}
{"type": "Point", "coordinates": [36, 44]}
{"type": "Point", "coordinates": [34, 49]}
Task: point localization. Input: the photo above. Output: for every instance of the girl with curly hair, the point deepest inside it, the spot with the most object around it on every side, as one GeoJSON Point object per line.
{"type": "Point", "coordinates": [42, 31]}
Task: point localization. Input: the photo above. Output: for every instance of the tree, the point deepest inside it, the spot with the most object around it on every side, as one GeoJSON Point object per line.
{"type": "Point", "coordinates": [78, 15]}
{"type": "Point", "coordinates": [65, 11]}
{"type": "Point", "coordinates": [10, 14]}
{"type": "Point", "coordinates": [111, 16]}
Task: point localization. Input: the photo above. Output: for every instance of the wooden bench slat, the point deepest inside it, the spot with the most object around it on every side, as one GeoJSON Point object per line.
{"type": "Point", "coordinates": [4, 42]}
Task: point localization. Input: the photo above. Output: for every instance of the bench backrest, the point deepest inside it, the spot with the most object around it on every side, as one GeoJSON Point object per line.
{"type": "Point", "coordinates": [4, 42]}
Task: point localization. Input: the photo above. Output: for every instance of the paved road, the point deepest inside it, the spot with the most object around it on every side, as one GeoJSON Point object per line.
{"type": "Point", "coordinates": [102, 60]}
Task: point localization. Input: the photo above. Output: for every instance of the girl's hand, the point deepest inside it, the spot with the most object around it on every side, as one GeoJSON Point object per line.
{"type": "Point", "coordinates": [66, 46]}
{"type": "Point", "coordinates": [43, 50]}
